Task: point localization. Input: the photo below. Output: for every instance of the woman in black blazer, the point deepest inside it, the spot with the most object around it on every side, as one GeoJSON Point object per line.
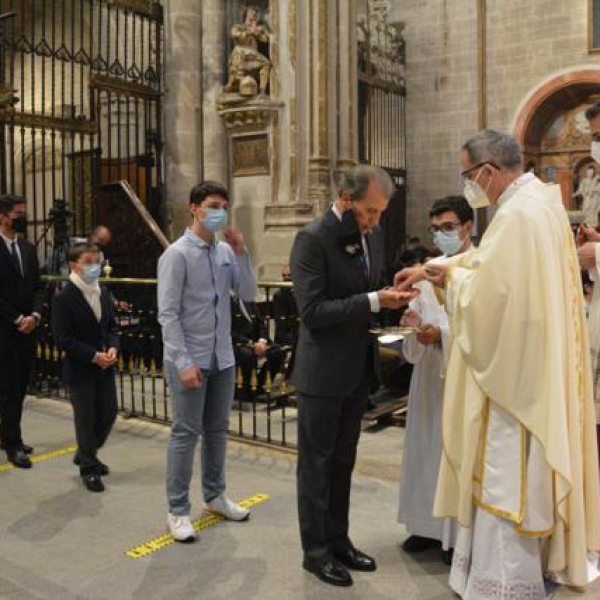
{"type": "Point", "coordinates": [84, 327]}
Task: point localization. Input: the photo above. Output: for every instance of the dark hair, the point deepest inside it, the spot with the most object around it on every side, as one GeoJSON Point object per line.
{"type": "Point", "coordinates": [415, 239]}
{"type": "Point", "coordinates": [8, 202]}
{"type": "Point", "coordinates": [593, 111]}
{"type": "Point", "coordinates": [456, 204]}
{"type": "Point", "coordinates": [75, 252]}
{"type": "Point", "coordinates": [207, 188]}
{"type": "Point", "coordinates": [409, 258]}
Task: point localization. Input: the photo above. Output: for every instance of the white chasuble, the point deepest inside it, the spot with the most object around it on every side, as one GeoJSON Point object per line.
{"type": "Point", "coordinates": [519, 435]}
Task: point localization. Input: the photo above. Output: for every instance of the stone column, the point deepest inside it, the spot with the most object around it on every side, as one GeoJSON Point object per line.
{"type": "Point", "coordinates": [215, 161]}
{"type": "Point", "coordinates": [347, 151]}
{"type": "Point", "coordinates": [319, 162]}
{"type": "Point", "coordinates": [183, 127]}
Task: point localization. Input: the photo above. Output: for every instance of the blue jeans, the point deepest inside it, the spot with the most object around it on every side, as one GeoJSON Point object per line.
{"type": "Point", "coordinates": [204, 410]}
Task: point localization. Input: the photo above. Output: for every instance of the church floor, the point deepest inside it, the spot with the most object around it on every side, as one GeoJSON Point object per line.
{"type": "Point", "coordinates": [59, 541]}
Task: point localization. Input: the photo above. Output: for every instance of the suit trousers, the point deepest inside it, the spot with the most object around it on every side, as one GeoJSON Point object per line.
{"type": "Point", "coordinates": [94, 410]}
{"type": "Point", "coordinates": [16, 359]}
{"type": "Point", "coordinates": [328, 432]}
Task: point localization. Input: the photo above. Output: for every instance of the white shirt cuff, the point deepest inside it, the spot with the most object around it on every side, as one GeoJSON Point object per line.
{"type": "Point", "coordinates": [374, 302]}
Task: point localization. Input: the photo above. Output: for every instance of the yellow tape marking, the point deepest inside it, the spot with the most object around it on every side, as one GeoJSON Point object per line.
{"type": "Point", "coordinates": [36, 458]}
{"type": "Point", "coordinates": [162, 541]}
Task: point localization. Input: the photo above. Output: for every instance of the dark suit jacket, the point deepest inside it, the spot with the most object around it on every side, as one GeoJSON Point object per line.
{"type": "Point", "coordinates": [19, 294]}
{"type": "Point", "coordinates": [285, 313]}
{"type": "Point", "coordinates": [335, 350]}
{"type": "Point", "coordinates": [77, 331]}
{"type": "Point", "coordinates": [244, 332]}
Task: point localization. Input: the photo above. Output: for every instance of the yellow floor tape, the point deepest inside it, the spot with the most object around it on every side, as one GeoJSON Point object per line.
{"type": "Point", "coordinates": [162, 541]}
{"type": "Point", "coordinates": [36, 458]}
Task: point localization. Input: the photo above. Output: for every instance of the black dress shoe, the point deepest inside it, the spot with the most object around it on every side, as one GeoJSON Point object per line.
{"type": "Point", "coordinates": [27, 449]}
{"type": "Point", "coordinates": [19, 459]}
{"type": "Point", "coordinates": [93, 482]}
{"type": "Point", "coordinates": [354, 559]}
{"type": "Point", "coordinates": [447, 556]}
{"type": "Point", "coordinates": [416, 543]}
{"type": "Point", "coordinates": [101, 468]}
{"type": "Point", "coordinates": [329, 571]}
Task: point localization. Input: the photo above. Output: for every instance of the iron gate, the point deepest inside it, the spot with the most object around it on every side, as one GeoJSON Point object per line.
{"type": "Point", "coordinates": [382, 110]}
{"type": "Point", "coordinates": [80, 105]}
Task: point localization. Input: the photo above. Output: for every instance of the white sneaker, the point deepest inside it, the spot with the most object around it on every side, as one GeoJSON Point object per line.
{"type": "Point", "coordinates": [223, 506]}
{"type": "Point", "coordinates": [181, 528]}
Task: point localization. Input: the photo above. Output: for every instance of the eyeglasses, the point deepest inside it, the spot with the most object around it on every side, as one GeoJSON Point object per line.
{"type": "Point", "coordinates": [465, 174]}
{"type": "Point", "coordinates": [444, 227]}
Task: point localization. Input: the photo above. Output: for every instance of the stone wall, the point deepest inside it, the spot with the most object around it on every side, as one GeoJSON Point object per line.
{"type": "Point", "coordinates": [527, 44]}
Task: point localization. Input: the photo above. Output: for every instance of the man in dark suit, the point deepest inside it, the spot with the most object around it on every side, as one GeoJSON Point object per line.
{"type": "Point", "coordinates": [250, 337]}
{"type": "Point", "coordinates": [338, 268]}
{"type": "Point", "coordinates": [84, 326]}
{"type": "Point", "coordinates": [285, 312]}
{"type": "Point", "coordinates": [21, 299]}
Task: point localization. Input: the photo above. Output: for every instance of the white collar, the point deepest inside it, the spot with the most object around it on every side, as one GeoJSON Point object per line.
{"type": "Point", "coordinates": [8, 240]}
{"type": "Point", "coordinates": [336, 212]}
{"type": "Point", "coordinates": [511, 190]}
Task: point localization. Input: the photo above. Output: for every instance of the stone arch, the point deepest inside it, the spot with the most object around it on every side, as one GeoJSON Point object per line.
{"type": "Point", "coordinates": [562, 96]}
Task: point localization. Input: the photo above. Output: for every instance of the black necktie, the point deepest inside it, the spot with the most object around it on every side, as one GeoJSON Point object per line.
{"type": "Point", "coordinates": [15, 257]}
{"type": "Point", "coordinates": [364, 268]}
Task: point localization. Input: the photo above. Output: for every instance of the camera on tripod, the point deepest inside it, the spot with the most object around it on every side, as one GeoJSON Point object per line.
{"type": "Point", "coordinates": [58, 216]}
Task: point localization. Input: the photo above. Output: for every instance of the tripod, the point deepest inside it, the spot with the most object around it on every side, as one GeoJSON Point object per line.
{"type": "Point", "coordinates": [60, 255]}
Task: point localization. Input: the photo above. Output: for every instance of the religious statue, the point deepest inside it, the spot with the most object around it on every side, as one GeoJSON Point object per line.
{"type": "Point", "coordinates": [589, 192]}
{"type": "Point", "coordinates": [245, 58]}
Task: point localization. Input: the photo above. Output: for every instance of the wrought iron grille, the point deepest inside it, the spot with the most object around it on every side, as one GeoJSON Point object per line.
{"type": "Point", "coordinates": [382, 110]}
{"type": "Point", "coordinates": [80, 105]}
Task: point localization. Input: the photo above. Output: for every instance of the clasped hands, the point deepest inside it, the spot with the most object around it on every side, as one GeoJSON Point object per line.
{"type": "Point", "coordinates": [106, 359]}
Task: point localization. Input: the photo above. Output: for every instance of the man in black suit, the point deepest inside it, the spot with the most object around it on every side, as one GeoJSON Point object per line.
{"type": "Point", "coordinates": [21, 299]}
{"type": "Point", "coordinates": [250, 337]}
{"type": "Point", "coordinates": [84, 326]}
{"type": "Point", "coordinates": [285, 312]}
{"type": "Point", "coordinates": [338, 268]}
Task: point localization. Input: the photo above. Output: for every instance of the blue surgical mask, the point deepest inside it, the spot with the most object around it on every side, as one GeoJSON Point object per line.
{"type": "Point", "coordinates": [448, 242]}
{"type": "Point", "coordinates": [215, 219]}
{"type": "Point", "coordinates": [91, 273]}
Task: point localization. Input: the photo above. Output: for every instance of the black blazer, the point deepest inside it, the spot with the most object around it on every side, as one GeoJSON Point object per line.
{"type": "Point", "coordinates": [335, 351]}
{"type": "Point", "coordinates": [19, 294]}
{"type": "Point", "coordinates": [77, 331]}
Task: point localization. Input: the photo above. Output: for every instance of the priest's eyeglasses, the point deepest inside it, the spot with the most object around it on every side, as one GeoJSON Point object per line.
{"type": "Point", "coordinates": [465, 174]}
{"type": "Point", "coordinates": [444, 227]}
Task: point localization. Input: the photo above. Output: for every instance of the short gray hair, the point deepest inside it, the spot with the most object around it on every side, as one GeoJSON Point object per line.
{"type": "Point", "coordinates": [357, 180]}
{"type": "Point", "coordinates": [496, 147]}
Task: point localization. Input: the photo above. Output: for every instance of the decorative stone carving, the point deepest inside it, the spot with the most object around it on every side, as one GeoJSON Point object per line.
{"type": "Point", "coordinates": [245, 59]}
{"type": "Point", "coordinates": [241, 114]}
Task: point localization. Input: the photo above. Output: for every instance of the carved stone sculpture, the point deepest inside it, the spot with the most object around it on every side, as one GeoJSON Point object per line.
{"type": "Point", "coordinates": [245, 59]}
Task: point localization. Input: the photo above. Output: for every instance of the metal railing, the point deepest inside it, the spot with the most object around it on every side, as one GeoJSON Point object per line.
{"type": "Point", "coordinates": [263, 416]}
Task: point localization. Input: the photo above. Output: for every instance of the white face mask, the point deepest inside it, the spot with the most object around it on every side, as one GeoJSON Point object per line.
{"type": "Point", "coordinates": [476, 196]}
{"type": "Point", "coordinates": [448, 242]}
{"type": "Point", "coordinates": [595, 151]}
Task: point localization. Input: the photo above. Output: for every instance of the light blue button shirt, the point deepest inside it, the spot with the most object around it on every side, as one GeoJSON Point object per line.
{"type": "Point", "coordinates": [194, 283]}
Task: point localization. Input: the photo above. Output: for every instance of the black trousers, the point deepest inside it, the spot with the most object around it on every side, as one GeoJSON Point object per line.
{"type": "Point", "coordinates": [16, 359]}
{"type": "Point", "coordinates": [328, 432]}
{"type": "Point", "coordinates": [95, 410]}
{"type": "Point", "coordinates": [246, 361]}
